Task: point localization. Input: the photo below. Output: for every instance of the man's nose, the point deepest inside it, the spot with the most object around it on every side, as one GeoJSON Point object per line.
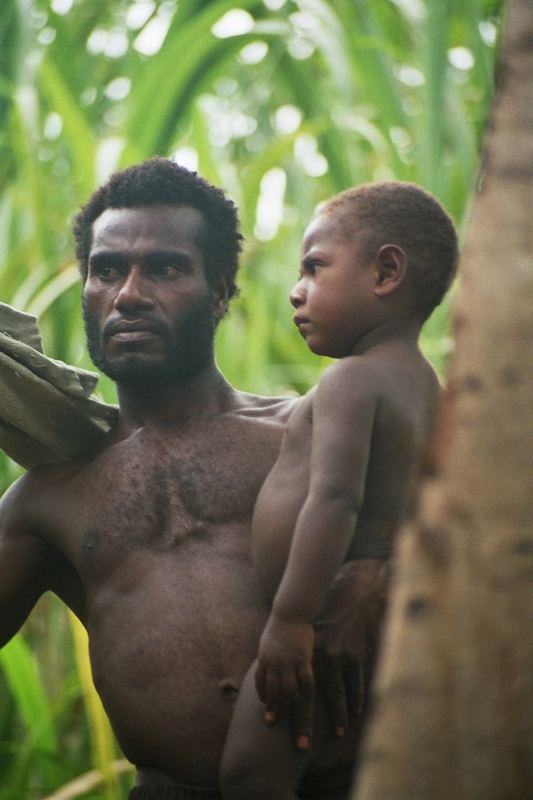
{"type": "Point", "coordinates": [297, 294]}
{"type": "Point", "coordinates": [133, 292]}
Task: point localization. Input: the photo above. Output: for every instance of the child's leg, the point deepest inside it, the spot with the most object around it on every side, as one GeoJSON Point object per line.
{"type": "Point", "coordinates": [259, 763]}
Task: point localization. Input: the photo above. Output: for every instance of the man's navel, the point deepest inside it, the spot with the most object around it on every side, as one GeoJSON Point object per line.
{"type": "Point", "coordinates": [228, 689]}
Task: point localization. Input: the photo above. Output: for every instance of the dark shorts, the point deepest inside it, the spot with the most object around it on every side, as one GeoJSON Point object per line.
{"type": "Point", "coordinates": [332, 783]}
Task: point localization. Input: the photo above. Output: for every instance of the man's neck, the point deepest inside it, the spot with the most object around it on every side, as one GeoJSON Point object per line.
{"type": "Point", "coordinates": [205, 394]}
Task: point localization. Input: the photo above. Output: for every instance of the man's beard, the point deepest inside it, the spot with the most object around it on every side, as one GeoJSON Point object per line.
{"type": "Point", "coordinates": [190, 348]}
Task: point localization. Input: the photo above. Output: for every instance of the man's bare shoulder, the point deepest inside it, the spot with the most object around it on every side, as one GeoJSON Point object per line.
{"type": "Point", "coordinates": [27, 491]}
{"type": "Point", "coordinates": [35, 487]}
{"type": "Point", "coordinates": [18, 500]}
{"type": "Point", "coordinates": [275, 408]}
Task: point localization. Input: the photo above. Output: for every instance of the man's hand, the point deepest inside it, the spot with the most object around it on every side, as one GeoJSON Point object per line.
{"type": "Point", "coordinates": [346, 636]}
{"type": "Point", "coordinates": [349, 624]}
{"type": "Point", "coordinates": [284, 672]}
{"type": "Point", "coordinates": [347, 633]}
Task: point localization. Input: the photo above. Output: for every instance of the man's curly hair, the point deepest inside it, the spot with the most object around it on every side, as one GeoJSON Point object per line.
{"type": "Point", "coordinates": [159, 181]}
{"type": "Point", "coordinates": [396, 212]}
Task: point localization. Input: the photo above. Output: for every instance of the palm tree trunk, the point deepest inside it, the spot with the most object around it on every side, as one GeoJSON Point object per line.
{"type": "Point", "coordinates": [454, 689]}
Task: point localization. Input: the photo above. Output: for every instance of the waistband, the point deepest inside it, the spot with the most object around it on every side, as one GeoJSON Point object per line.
{"type": "Point", "coordinates": [175, 791]}
{"type": "Point", "coordinates": [328, 783]}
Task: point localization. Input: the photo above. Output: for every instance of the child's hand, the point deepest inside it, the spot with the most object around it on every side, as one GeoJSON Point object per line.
{"type": "Point", "coordinates": [284, 671]}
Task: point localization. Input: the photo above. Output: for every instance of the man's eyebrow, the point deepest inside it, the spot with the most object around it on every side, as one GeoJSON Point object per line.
{"type": "Point", "coordinates": [163, 256]}
{"type": "Point", "coordinates": [151, 258]}
{"type": "Point", "coordinates": [107, 257]}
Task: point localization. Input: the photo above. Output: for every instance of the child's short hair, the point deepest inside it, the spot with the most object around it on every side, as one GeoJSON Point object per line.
{"type": "Point", "coordinates": [395, 212]}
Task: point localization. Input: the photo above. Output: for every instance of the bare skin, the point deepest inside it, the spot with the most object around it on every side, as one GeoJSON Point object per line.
{"type": "Point", "coordinates": [386, 396]}
{"type": "Point", "coordinates": [147, 539]}
{"type": "Point", "coordinates": [341, 485]}
{"type": "Point", "coordinates": [144, 542]}
{"type": "Point", "coordinates": [352, 447]}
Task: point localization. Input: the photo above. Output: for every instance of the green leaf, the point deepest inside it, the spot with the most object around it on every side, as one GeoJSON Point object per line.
{"type": "Point", "coordinates": [33, 704]}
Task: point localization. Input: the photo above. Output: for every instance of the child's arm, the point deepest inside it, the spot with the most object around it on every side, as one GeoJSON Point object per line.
{"type": "Point", "coordinates": [343, 415]}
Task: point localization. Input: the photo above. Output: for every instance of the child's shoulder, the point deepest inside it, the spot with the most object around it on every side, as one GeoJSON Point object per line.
{"type": "Point", "coordinates": [360, 372]}
{"type": "Point", "coordinates": [373, 376]}
{"type": "Point", "coordinates": [350, 385]}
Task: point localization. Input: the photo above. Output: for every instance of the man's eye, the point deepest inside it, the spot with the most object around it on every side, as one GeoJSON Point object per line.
{"type": "Point", "coordinates": [105, 272]}
{"type": "Point", "coordinates": [165, 270]}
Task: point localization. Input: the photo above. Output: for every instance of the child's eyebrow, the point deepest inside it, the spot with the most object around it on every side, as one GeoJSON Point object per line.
{"type": "Point", "coordinates": [310, 258]}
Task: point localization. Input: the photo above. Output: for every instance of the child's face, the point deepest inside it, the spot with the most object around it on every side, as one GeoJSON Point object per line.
{"type": "Point", "coordinates": [334, 298]}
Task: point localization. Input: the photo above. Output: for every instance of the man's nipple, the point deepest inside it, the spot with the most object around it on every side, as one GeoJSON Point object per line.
{"type": "Point", "coordinates": [90, 542]}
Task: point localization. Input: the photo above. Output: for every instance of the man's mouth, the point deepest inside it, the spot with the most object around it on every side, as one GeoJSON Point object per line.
{"type": "Point", "coordinates": [133, 335]}
{"type": "Point", "coordinates": [124, 330]}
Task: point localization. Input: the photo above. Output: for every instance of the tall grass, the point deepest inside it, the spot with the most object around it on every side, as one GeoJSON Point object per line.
{"type": "Point", "coordinates": [311, 96]}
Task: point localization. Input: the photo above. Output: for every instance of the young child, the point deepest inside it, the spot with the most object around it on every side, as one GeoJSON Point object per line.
{"type": "Point", "coordinates": [375, 262]}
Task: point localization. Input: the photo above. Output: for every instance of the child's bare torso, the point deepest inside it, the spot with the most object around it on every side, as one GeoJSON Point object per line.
{"type": "Point", "coordinates": [402, 426]}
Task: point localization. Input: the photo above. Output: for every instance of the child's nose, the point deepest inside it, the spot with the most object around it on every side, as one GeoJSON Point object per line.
{"type": "Point", "coordinates": [297, 294]}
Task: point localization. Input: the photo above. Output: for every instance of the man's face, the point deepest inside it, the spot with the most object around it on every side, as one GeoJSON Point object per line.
{"type": "Point", "coordinates": [149, 312]}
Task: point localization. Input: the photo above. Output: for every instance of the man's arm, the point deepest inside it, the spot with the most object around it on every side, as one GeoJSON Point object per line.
{"type": "Point", "coordinates": [25, 564]}
{"type": "Point", "coordinates": [344, 408]}
{"type": "Point", "coordinates": [347, 633]}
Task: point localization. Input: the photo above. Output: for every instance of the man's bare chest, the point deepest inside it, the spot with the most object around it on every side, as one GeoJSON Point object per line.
{"type": "Point", "coordinates": [158, 490]}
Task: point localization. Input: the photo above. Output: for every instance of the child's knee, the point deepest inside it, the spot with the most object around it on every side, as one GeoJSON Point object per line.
{"type": "Point", "coordinates": [240, 786]}
{"type": "Point", "coordinates": [236, 774]}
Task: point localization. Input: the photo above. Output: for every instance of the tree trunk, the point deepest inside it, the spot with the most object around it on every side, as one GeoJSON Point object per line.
{"type": "Point", "coordinates": [453, 716]}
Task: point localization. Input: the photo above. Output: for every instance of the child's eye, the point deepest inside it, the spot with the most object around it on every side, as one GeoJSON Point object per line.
{"type": "Point", "coordinates": [309, 267]}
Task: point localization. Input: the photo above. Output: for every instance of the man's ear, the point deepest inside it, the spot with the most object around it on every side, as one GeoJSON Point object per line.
{"type": "Point", "coordinates": [220, 299]}
{"type": "Point", "coordinates": [391, 269]}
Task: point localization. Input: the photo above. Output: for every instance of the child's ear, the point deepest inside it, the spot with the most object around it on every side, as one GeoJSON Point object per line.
{"type": "Point", "coordinates": [220, 299]}
{"type": "Point", "coordinates": [391, 268]}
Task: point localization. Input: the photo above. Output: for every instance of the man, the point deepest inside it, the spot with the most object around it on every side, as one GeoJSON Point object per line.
{"type": "Point", "coordinates": [146, 537]}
